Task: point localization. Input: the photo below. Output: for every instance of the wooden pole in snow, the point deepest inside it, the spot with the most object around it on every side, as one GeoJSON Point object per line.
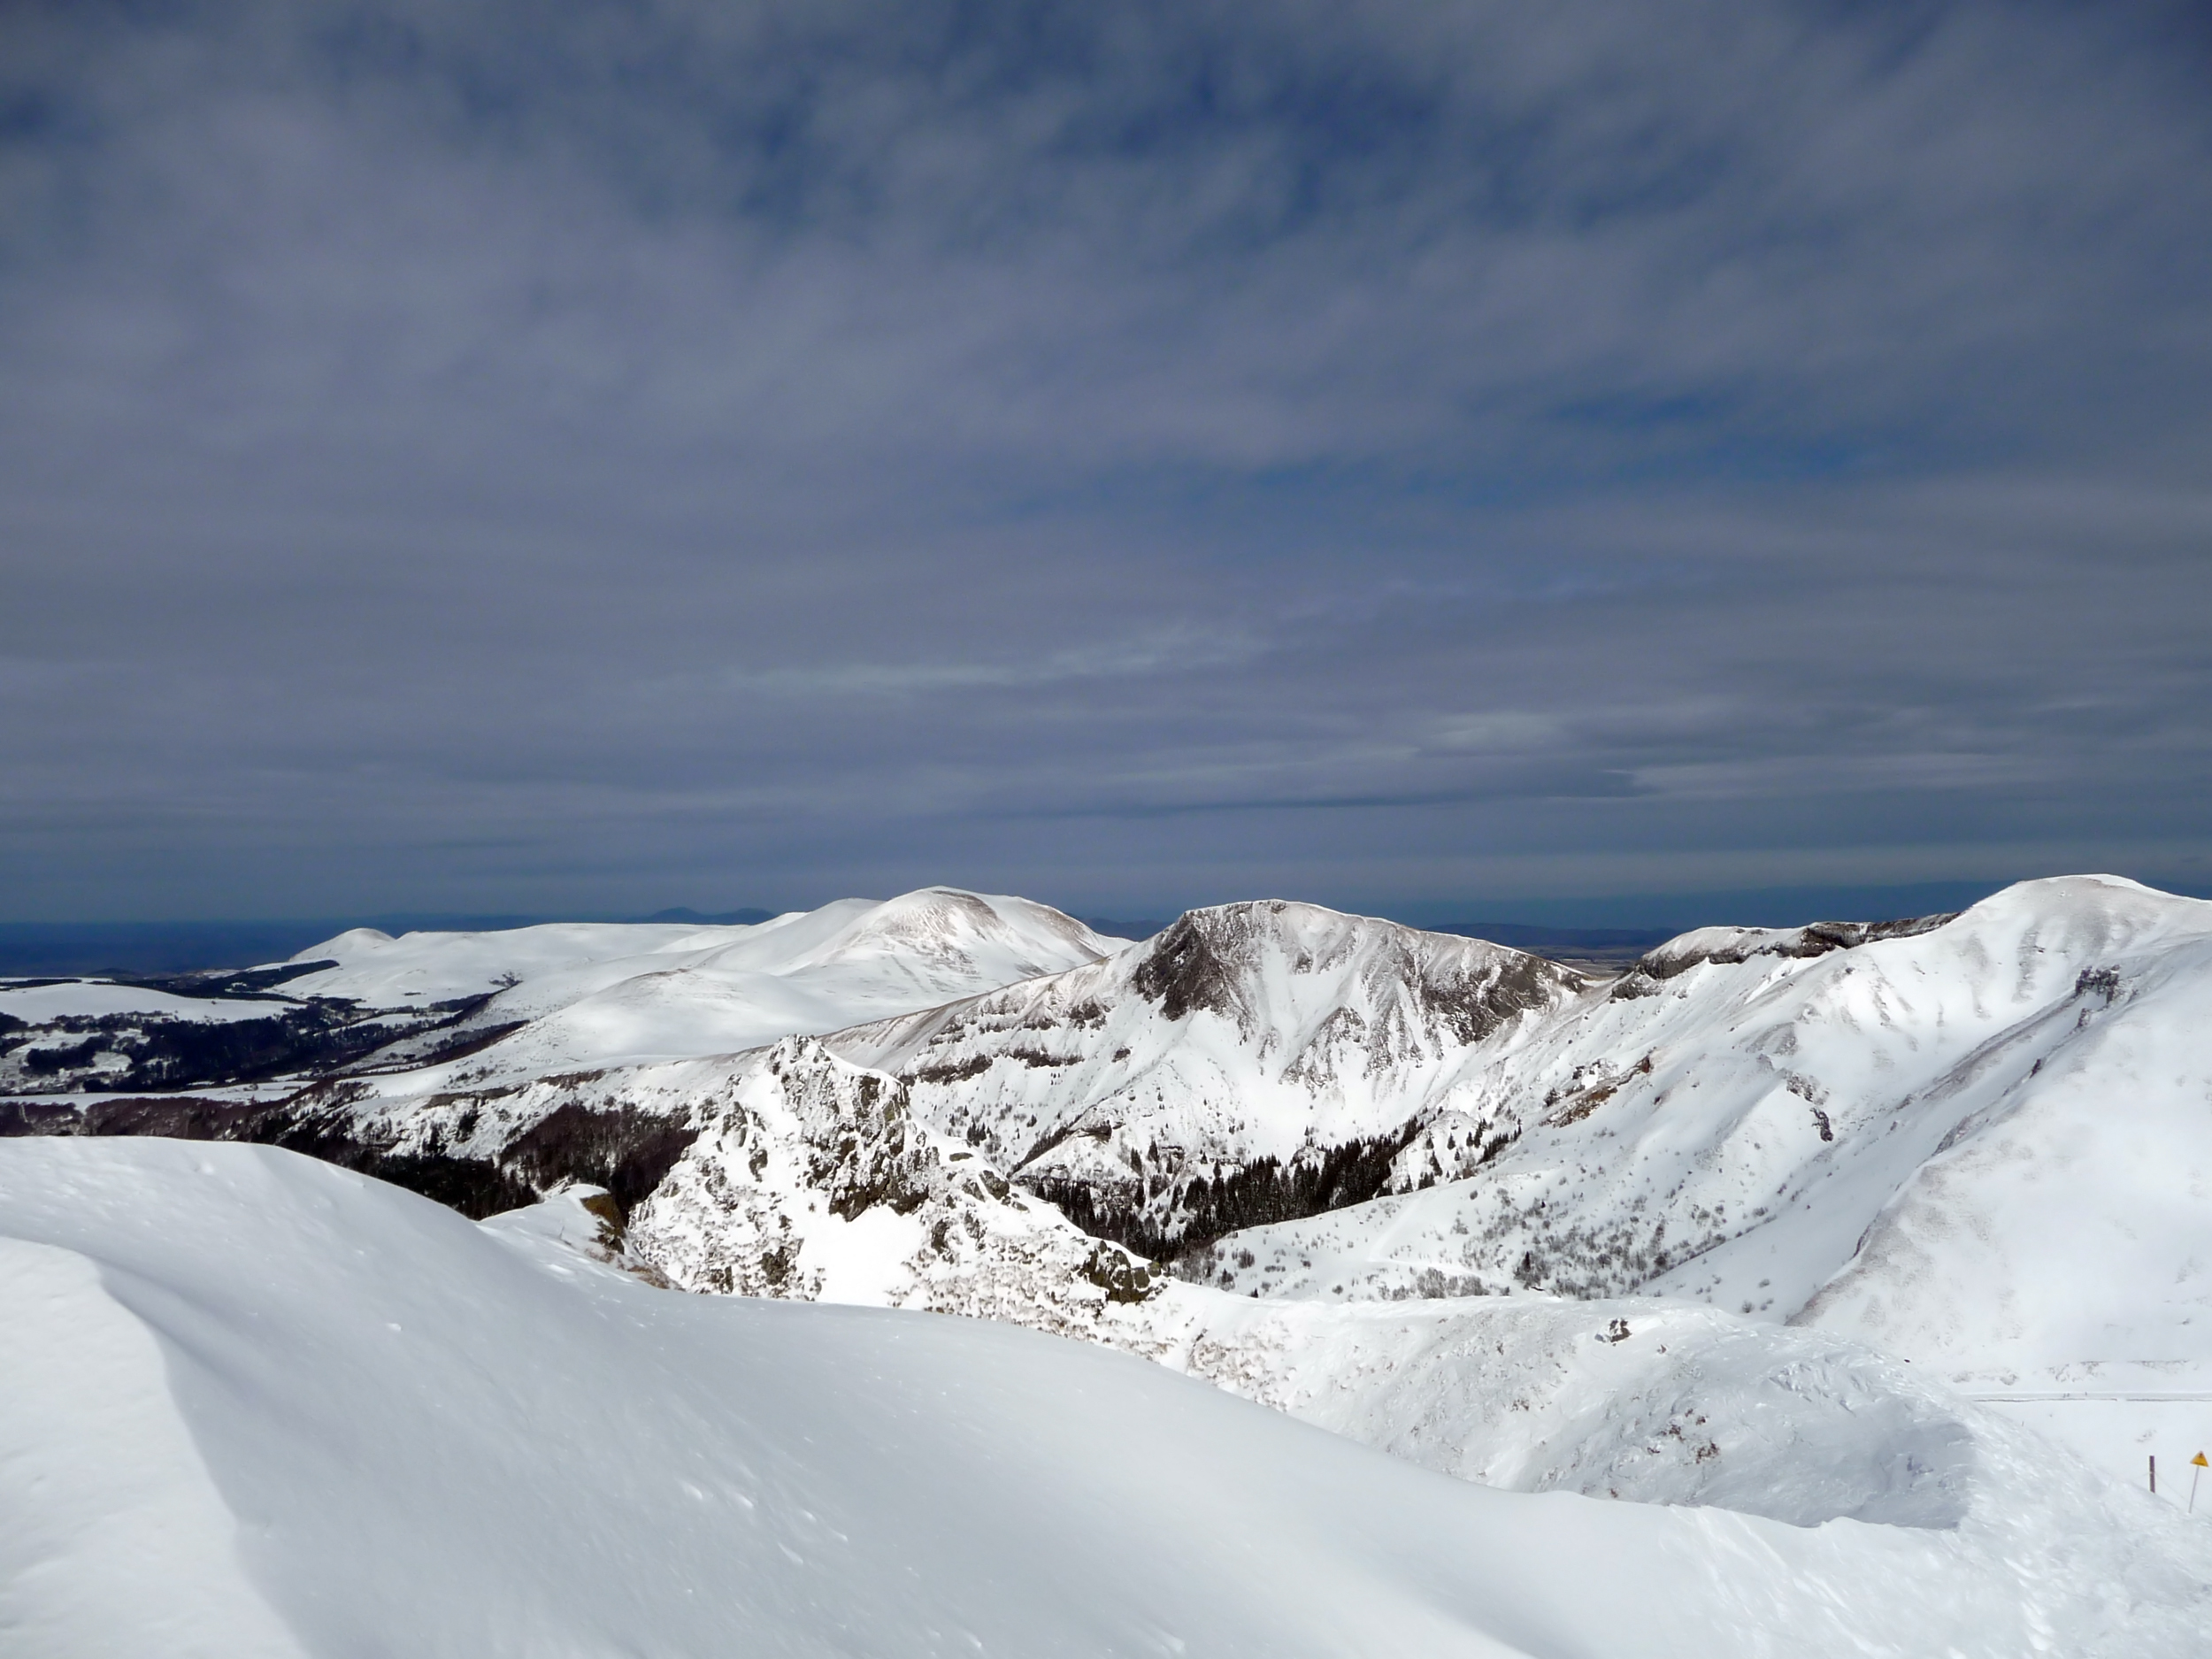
{"type": "Point", "coordinates": [2197, 1466]}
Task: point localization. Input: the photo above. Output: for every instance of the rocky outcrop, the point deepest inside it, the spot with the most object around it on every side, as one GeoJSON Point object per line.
{"type": "Point", "coordinates": [810, 1177]}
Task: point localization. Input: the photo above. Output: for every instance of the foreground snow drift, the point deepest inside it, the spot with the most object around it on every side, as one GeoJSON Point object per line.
{"type": "Point", "coordinates": [256, 1405]}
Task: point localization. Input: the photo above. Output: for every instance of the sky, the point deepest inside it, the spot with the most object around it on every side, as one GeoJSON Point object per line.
{"type": "Point", "coordinates": [1435, 459]}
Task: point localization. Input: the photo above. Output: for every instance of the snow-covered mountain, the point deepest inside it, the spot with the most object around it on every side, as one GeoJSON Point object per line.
{"type": "Point", "coordinates": [1981, 1143]}
{"type": "Point", "coordinates": [1976, 1142]}
{"type": "Point", "coordinates": [258, 1406]}
{"type": "Point", "coordinates": [519, 1004]}
{"type": "Point", "coordinates": [1252, 1062]}
{"type": "Point", "coordinates": [586, 994]}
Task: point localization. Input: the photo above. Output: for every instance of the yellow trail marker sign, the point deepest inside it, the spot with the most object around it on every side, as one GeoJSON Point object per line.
{"type": "Point", "coordinates": [2199, 1461]}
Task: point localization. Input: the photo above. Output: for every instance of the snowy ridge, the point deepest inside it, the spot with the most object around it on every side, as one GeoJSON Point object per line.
{"type": "Point", "coordinates": [1981, 1145]}
{"type": "Point", "coordinates": [1253, 1061]}
{"type": "Point", "coordinates": [520, 1003]}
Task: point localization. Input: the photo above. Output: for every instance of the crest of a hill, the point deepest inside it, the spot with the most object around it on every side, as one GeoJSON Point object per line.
{"type": "Point", "coordinates": [519, 1003]}
{"type": "Point", "coordinates": [266, 1407]}
{"type": "Point", "coordinates": [603, 993]}
{"type": "Point", "coordinates": [1251, 1062]}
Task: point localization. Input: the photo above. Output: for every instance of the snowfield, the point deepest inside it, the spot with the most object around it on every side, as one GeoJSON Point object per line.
{"type": "Point", "coordinates": [98, 999]}
{"type": "Point", "coordinates": [264, 1406]}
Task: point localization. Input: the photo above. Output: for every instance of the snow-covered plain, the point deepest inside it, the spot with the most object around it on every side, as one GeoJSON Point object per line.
{"type": "Point", "coordinates": [273, 1408]}
{"type": "Point", "coordinates": [98, 999]}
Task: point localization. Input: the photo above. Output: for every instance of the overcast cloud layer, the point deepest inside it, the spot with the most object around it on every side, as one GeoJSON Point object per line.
{"type": "Point", "coordinates": [596, 457]}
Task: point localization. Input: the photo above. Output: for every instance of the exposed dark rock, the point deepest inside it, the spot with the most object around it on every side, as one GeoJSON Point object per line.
{"type": "Point", "coordinates": [625, 1150]}
{"type": "Point", "coordinates": [1185, 970]}
{"type": "Point", "coordinates": [1123, 1277]}
{"type": "Point", "coordinates": [1477, 1004]}
{"type": "Point", "coordinates": [1816, 939]}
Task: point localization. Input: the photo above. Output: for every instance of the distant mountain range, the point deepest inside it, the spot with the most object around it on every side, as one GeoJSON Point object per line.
{"type": "Point", "coordinates": [1822, 1226]}
{"type": "Point", "coordinates": [1975, 1141]}
{"type": "Point", "coordinates": [135, 947]}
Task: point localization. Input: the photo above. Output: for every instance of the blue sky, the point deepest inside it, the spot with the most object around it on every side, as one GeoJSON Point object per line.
{"type": "Point", "coordinates": [1442, 459]}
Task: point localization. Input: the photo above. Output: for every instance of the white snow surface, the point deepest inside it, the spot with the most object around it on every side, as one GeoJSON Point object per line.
{"type": "Point", "coordinates": [1998, 1127]}
{"type": "Point", "coordinates": [1986, 1147]}
{"type": "Point", "coordinates": [2016, 1162]}
{"type": "Point", "coordinates": [268, 1407]}
{"type": "Point", "coordinates": [603, 993]}
{"type": "Point", "coordinates": [97, 998]}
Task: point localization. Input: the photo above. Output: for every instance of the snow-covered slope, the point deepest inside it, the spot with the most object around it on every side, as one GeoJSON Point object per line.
{"type": "Point", "coordinates": [1983, 1145]}
{"type": "Point", "coordinates": [605, 994]}
{"type": "Point", "coordinates": [1254, 1061]}
{"type": "Point", "coordinates": [259, 1406]}
{"type": "Point", "coordinates": [525, 1002]}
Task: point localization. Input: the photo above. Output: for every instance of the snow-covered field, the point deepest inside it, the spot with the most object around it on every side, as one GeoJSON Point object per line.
{"type": "Point", "coordinates": [261, 1406]}
{"type": "Point", "coordinates": [96, 999]}
{"type": "Point", "coordinates": [1983, 1147]}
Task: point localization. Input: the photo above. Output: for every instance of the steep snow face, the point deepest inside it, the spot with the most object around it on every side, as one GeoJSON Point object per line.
{"type": "Point", "coordinates": [2064, 1220]}
{"type": "Point", "coordinates": [600, 995]}
{"type": "Point", "coordinates": [1253, 1061]}
{"type": "Point", "coordinates": [384, 1428]}
{"type": "Point", "coordinates": [1998, 1124]}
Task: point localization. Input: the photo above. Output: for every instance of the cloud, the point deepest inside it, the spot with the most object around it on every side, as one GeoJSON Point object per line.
{"type": "Point", "coordinates": [670, 453]}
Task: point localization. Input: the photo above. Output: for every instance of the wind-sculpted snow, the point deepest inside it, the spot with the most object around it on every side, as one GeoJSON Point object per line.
{"type": "Point", "coordinates": [283, 1410]}
{"type": "Point", "coordinates": [1252, 1062]}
